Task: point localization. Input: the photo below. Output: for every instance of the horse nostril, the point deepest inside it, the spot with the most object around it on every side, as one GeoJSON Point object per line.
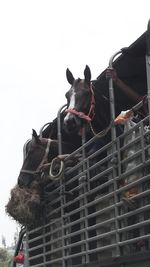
{"type": "Point", "coordinates": [70, 124]}
{"type": "Point", "coordinates": [72, 121]}
{"type": "Point", "coordinates": [25, 181]}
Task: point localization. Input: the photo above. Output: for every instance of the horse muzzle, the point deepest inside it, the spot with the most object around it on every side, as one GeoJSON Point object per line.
{"type": "Point", "coordinates": [25, 180]}
{"type": "Point", "coordinates": [72, 124]}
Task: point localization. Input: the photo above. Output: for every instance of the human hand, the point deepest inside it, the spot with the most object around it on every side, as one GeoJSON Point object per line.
{"type": "Point", "coordinates": [111, 73]}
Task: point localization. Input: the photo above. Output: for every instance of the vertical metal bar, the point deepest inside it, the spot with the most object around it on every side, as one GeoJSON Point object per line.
{"type": "Point", "coordinates": [111, 96]}
{"type": "Point", "coordinates": [113, 137]}
{"type": "Point", "coordinates": [141, 187]}
{"type": "Point", "coordinates": [141, 132]}
{"type": "Point", "coordinates": [88, 175]}
{"type": "Point", "coordinates": [85, 196]}
{"type": "Point", "coordinates": [59, 129]}
{"type": "Point", "coordinates": [115, 187]}
{"type": "Point", "coordinates": [44, 242]}
{"type": "Point", "coordinates": [62, 195]}
{"type": "Point", "coordinates": [119, 156]}
{"type": "Point", "coordinates": [27, 250]}
{"type": "Point", "coordinates": [83, 202]}
{"type": "Point", "coordinates": [62, 202]}
{"type": "Point", "coordinates": [148, 63]}
{"type": "Point", "coordinates": [123, 222]}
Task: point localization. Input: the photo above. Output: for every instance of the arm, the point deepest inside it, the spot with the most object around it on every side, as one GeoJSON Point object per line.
{"type": "Point", "coordinates": [111, 73]}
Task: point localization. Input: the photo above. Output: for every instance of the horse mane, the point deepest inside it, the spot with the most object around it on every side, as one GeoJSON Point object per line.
{"type": "Point", "coordinates": [102, 109]}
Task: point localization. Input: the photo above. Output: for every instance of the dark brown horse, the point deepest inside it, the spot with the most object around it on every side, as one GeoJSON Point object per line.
{"type": "Point", "coordinates": [28, 196]}
{"type": "Point", "coordinates": [86, 107]}
{"type": "Point", "coordinates": [39, 151]}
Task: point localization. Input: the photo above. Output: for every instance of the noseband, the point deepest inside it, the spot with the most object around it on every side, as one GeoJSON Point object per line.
{"type": "Point", "coordinates": [42, 161]}
{"type": "Point", "coordinates": [82, 115]}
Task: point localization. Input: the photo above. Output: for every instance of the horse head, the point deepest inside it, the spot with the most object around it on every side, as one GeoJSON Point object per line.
{"type": "Point", "coordinates": [36, 154]}
{"type": "Point", "coordinates": [80, 102]}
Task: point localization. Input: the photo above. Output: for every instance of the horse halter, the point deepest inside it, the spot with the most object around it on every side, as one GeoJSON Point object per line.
{"type": "Point", "coordinates": [91, 114]}
{"type": "Point", "coordinates": [42, 161]}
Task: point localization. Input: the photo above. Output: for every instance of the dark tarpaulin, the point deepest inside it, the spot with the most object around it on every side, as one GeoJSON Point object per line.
{"type": "Point", "coordinates": [131, 68]}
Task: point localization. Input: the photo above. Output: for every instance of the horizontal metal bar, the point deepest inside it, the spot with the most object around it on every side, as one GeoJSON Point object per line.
{"type": "Point", "coordinates": [54, 212]}
{"type": "Point", "coordinates": [88, 216]}
{"type": "Point", "coordinates": [134, 226]}
{"type": "Point", "coordinates": [37, 265]}
{"type": "Point", "coordinates": [47, 263]}
{"type": "Point", "coordinates": [134, 212]}
{"type": "Point", "coordinates": [133, 184]}
{"type": "Point", "coordinates": [131, 213]}
{"type": "Point", "coordinates": [36, 238]}
{"type": "Point", "coordinates": [129, 172]}
{"type": "Point", "coordinates": [90, 251]}
{"type": "Point", "coordinates": [135, 156]}
{"type": "Point", "coordinates": [136, 239]}
{"type": "Point", "coordinates": [46, 253]}
{"type": "Point", "coordinates": [131, 144]}
{"type": "Point", "coordinates": [37, 229]}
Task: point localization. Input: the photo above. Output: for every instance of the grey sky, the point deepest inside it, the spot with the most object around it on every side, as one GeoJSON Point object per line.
{"type": "Point", "coordinates": [38, 41]}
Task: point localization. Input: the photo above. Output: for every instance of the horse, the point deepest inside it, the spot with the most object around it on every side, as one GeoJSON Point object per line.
{"type": "Point", "coordinates": [85, 105]}
{"type": "Point", "coordinates": [27, 198]}
{"type": "Point", "coordinates": [39, 152]}
{"type": "Point", "coordinates": [87, 108]}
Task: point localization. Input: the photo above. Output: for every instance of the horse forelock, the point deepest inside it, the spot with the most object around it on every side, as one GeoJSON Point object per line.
{"type": "Point", "coordinates": [78, 80]}
{"type": "Point", "coordinates": [80, 84]}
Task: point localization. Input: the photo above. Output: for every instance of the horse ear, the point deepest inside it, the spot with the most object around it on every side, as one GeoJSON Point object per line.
{"type": "Point", "coordinates": [69, 76]}
{"type": "Point", "coordinates": [87, 74]}
{"type": "Point", "coordinates": [35, 137]}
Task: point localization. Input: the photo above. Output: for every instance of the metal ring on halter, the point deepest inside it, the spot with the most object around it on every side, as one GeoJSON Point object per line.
{"type": "Point", "coordinates": [59, 175]}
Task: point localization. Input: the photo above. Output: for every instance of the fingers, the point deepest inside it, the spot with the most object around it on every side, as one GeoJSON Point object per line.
{"type": "Point", "coordinates": [111, 73]}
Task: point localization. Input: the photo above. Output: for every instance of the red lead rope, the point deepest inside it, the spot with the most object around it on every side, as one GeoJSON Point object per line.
{"type": "Point", "coordinates": [19, 258]}
{"type": "Point", "coordinates": [91, 112]}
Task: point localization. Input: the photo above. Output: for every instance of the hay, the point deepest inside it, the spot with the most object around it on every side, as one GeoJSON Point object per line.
{"type": "Point", "coordinates": [25, 205]}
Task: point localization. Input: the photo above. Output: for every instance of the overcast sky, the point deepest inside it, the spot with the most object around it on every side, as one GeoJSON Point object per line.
{"type": "Point", "coordinates": [38, 41]}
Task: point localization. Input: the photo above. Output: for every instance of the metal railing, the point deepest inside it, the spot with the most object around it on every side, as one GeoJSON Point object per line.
{"type": "Point", "coordinates": [101, 208]}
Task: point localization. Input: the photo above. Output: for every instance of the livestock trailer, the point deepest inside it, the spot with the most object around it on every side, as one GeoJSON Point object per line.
{"type": "Point", "coordinates": [86, 221]}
